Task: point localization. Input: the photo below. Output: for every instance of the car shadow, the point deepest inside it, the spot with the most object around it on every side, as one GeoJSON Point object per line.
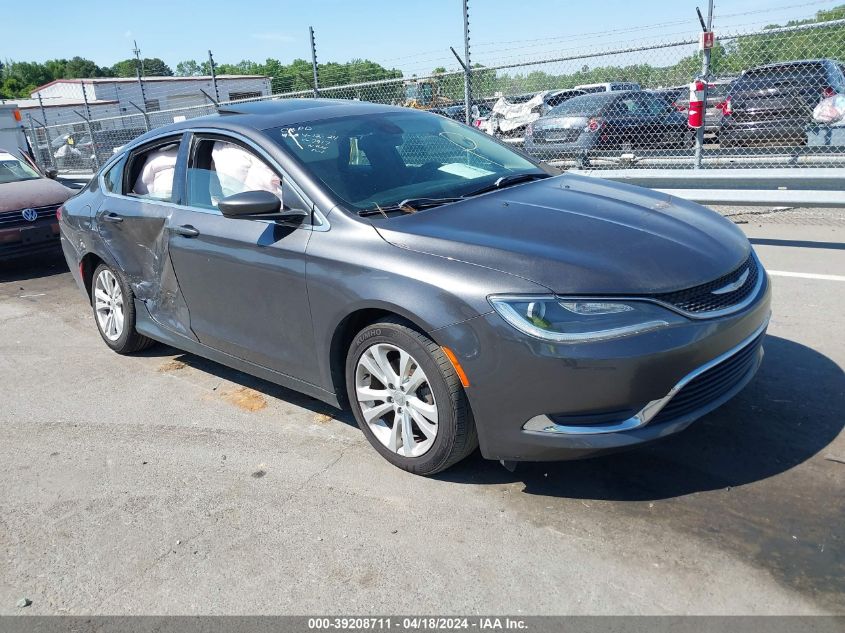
{"type": "Point", "coordinates": [238, 377]}
{"type": "Point", "coordinates": [760, 241]}
{"type": "Point", "coordinates": [35, 266]}
{"type": "Point", "coordinates": [773, 425]}
{"type": "Point", "coordinates": [785, 416]}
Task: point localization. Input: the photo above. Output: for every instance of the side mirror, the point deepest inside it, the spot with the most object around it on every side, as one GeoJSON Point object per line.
{"type": "Point", "coordinates": [258, 205]}
{"type": "Point", "coordinates": [52, 173]}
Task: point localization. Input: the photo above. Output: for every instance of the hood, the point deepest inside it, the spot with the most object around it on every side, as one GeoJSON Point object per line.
{"type": "Point", "coordinates": [580, 235]}
{"type": "Point", "coordinates": [42, 192]}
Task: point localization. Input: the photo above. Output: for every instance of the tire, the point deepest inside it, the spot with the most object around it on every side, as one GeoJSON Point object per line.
{"type": "Point", "coordinates": [123, 338]}
{"type": "Point", "coordinates": [441, 394]}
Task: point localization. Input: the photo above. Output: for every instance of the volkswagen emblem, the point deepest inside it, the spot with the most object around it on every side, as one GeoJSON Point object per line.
{"type": "Point", "coordinates": [30, 215]}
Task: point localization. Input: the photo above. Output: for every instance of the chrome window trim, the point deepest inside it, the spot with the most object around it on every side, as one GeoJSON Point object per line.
{"type": "Point", "coordinates": [544, 424]}
{"type": "Point", "coordinates": [323, 225]}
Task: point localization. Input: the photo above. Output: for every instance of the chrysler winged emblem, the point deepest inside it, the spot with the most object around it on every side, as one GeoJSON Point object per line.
{"type": "Point", "coordinates": [734, 285]}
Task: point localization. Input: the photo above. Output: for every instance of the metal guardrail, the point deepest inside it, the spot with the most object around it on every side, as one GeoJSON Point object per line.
{"type": "Point", "coordinates": [822, 187]}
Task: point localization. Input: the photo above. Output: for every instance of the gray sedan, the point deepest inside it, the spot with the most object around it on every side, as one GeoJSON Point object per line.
{"type": "Point", "coordinates": [451, 291]}
{"type": "Point", "coordinates": [638, 120]}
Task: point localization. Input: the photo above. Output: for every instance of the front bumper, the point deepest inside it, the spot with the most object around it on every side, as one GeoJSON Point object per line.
{"type": "Point", "coordinates": [20, 241]}
{"type": "Point", "coordinates": [539, 401]}
{"type": "Point", "coordinates": [763, 132]}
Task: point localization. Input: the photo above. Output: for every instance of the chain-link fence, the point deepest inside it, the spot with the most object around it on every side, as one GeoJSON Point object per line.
{"type": "Point", "coordinates": [775, 98]}
{"type": "Point", "coordinates": [75, 125]}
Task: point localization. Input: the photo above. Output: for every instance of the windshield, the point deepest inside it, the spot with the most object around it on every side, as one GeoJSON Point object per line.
{"type": "Point", "coordinates": [585, 104]}
{"type": "Point", "coordinates": [13, 170]}
{"type": "Point", "coordinates": [383, 159]}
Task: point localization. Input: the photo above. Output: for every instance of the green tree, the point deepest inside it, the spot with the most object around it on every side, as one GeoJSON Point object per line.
{"type": "Point", "coordinates": [152, 67]}
{"type": "Point", "coordinates": [81, 68]}
{"type": "Point", "coordinates": [243, 67]}
{"type": "Point", "coordinates": [11, 87]}
{"type": "Point", "coordinates": [188, 68]}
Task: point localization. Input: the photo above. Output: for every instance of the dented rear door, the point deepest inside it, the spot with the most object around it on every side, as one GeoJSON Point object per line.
{"type": "Point", "coordinates": [134, 230]}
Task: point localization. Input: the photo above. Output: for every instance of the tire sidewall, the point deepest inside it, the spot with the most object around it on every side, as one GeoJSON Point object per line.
{"type": "Point", "coordinates": [128, 309]}
{"type": "Point", "coordinates": [446, 406]}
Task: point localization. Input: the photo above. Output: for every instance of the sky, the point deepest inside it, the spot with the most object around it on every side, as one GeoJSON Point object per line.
{"type": "Point", "coordinates": [413, 36]}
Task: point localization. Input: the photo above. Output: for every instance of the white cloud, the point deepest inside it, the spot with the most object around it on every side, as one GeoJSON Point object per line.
{"type": "Point", "coordinates": [272, 37]}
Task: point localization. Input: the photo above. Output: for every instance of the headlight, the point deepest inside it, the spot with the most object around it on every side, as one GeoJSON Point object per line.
{"type": "Point", "coordinates": [581, 320]}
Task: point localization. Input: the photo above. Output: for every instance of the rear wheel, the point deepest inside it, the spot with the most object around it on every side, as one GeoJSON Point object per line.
{"type": "Point", "coordinates": [408, 399]}
{"type": "Point", "coordinates": [114, 311]}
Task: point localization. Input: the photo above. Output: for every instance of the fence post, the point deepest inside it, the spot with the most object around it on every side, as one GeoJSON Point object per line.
{"type": "Point", "coordinates": [90, 129]}
{"type": "Point", "coordinates": [143, 114]}
{"type": "Point", "coordinates": [90, 134]}
{"type": "Point", "coordinates": [87, 107]}
{"type": "Point", "coordinates": [46, 130]}
{"type": "Point", "coordinates": [36, 155]}
{"type": "Point", "coordinates": [314, 61]}
{"type": "Point", "coordinates": [208, 96]}
{"type": "Point", "coordinates": [139, 69]}
{"type": "Point", "coordinates": [705, 74]}
{"type": "Point", "coordinates": [467, 66]}
{"type": "Point", "coordinates": [213, 78]}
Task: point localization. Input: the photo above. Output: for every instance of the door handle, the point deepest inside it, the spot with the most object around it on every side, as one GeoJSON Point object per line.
{"type": "Point", "coordinates": [185, 230]}
{"type": "Point", "coordinates": [111, 217]}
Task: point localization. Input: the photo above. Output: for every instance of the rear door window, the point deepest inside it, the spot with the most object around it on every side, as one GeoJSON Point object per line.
{"type": "Point", "coordinates": [653, 105]}
{"type": "Point", "coordinates": [152, 171]}
{"type": "Point", "coordinates": [113, 178]}
{"type": "Point", "coordinates": [838, 83]}
{"type": "Point", "coordinates": [630, 105]}
{"type": "Point", "coordinates": [585, 104]}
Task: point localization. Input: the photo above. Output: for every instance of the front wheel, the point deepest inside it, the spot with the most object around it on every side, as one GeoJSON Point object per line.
{"type": "Point", "coordinates": [408, 399]}
{"type": "Point", "coordinates": [114, 311]}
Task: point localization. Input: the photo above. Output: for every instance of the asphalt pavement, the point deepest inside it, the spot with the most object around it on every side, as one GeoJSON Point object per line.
{"type": "Point", "coordinates": [163, 483]}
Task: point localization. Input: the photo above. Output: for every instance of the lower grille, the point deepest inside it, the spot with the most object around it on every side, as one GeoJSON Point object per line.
{"type": "Point", "coordinates": [712, 384]}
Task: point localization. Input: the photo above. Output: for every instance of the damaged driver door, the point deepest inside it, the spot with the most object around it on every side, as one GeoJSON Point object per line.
{"type": "Point", "coordinates": [243, 279]}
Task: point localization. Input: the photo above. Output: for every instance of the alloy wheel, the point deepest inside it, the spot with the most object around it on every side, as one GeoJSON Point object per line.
{"type": "Point", "coordinates": [396, 400]}
{"type": "Point", "coordinates": [108, 305]}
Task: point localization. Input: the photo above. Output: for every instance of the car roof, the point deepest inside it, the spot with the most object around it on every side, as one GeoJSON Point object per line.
{"type": "Point", "coordinates": [797, 62]}
{"type": "Point", "coordinates": [555, 93]}
{"type": "Point", "coordinates": [606, 83]}
{"type": "Point", "coordinates": [262, 115]}
{"type": "Point", "coordinates": [275, 113]}
{"type": "Point", "coordinates": [608, 94]}
{"type": "Point", "coordinates": [609, 97]}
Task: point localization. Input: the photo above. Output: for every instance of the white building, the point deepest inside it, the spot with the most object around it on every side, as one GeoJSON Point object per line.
{"type": "Point", "coordinates": [64, 100]}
